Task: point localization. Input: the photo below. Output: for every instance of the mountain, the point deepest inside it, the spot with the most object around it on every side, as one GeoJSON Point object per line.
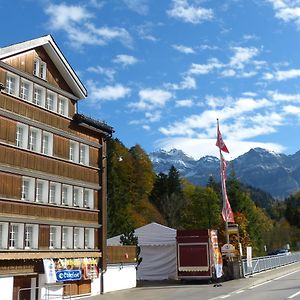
{"type": "Point", "coordinates": [277, 174]}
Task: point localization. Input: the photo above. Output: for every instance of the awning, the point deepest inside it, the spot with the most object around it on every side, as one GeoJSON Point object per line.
{"type": "Point", "coordinates": [41, 255]}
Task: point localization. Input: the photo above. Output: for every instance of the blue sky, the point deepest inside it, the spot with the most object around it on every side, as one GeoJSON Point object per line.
{"type": "Point", "coordinates": [162, 71]}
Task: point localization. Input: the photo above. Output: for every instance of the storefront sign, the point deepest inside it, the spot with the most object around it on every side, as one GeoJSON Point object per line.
{"type": "Point", "coordinates": [68, 275]}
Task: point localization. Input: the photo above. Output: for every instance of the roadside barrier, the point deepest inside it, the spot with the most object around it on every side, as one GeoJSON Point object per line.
{"type": "Point", "coordinates": [264, 263]}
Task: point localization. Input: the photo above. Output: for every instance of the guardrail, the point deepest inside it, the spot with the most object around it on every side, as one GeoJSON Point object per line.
{"type": "Point", "coordinates": [264, 263]}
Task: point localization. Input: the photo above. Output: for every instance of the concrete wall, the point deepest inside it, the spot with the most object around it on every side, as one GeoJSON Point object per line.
{"type": "Point", "coordinates": [119, 277]}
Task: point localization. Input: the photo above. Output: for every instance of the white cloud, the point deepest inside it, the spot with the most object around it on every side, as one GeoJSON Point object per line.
{"type": "Point", "coordinates": [76, 22]}
{"type": "Point", "coordinates": [184, 49]}
{"type": "Point", "coordinates": [125, 60]}
{"type": "Point", "coordinates": [282, 75]}
{"type": "Point", "coordinates": [242, 56]}
{"type": "Point", "coordinates": [109, 73]}
{"type": "Point", "coordinates": [153, 116]}
{"type": "Point", "coordinates": [184, 103]}
{"type": "Point", "coordinates": [202, 69]}
{"type": "Point", "coordinates": [139, 6]}
{"type": "Point", "coordinates": [107, 93]}
{"type": "Point", "coordinates": [228, 73]}
{"type": "Point", "coordinates": [287, 10]}
{"type": "Point", "coordinates": [292, 110]}
{"type": "Point", "coordinates": [188, 13]}
{"type": "Point", "coordinates": [151, 99]}
{"type": "Point", "coordinates": [187, 83]}
{"type": "Point", "coordinates": [279, 97]}
{"type": "Point", "coordinates": [198, 148]}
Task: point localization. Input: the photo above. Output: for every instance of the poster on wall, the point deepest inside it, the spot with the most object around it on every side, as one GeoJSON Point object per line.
{"type": "Point", "coordinates": [49, 267]}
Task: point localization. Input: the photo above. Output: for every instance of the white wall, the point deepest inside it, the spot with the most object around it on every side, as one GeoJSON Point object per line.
{"type": "Point", "coordinates": [96, 286]}
{"type": "Point", "coordinates": [55, 292]}
{"type": "Point", "coordinates": [118, 277]}
{"type": "Point", "coordinates": [7, 284]}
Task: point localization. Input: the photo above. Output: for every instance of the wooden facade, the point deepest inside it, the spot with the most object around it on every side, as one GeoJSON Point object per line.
{"type": "Point", "coordinates": [52, 183]}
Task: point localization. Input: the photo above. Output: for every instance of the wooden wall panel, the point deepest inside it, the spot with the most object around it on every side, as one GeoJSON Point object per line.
{"type": "Point", "coordinates": [10, 185]}
{"type": "Point", "coordinates": [8, 130]}
{"type": "Point", "coordinates": [3, 76]}
{"type": "Point", "coordinates": [44, 236]}
{"type": "Point", "coordinates": [94, 157]}
{"type": "Point", "coordinates": [61, 147]}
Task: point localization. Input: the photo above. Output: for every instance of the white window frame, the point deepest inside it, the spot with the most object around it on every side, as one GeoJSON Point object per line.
{"type": "Point", "coordinates": [41, 191]}
{"type": "Point", "coordinates": [35, 139]}
{"type": "Point", "coordinates": [16, 236]}
{"type": "Point", "coordinates": [89, 238]}
{"type": "Point", "coordinates": [55, 237]}
{"type": "Point", "coordinates": [47, 143]}
{"type": "Point", "coordinates": [67, 237]}
{"type": "Point", "coordinates": [40, 101]}
{"type": "Point", "coordinates": [28, 189]}
{"type": "Point", "coordinates": [78, 238]}
{"type": "Point", "coordinates": [22, 135]}
{"type": "Point", "coordinates": [88, 198]}
{"type": "Point", "coordinates": [3, 235]}
{"type": "Point", "coordinates": [74, 151]}
{"type": "Point", "coordinates": [26, 96]}
{"type": "Point", "coordinates": [12, 89]}
{"type": "Point", "coordinates": [52, 107]}
{"type": "Point", "coordinates": [84, 155]}
{"type": "Point", "coordinates": [66, 192]}
{"type": "Point", "coordinates": [77, 196]}
{"type": "Point", "coordinates": [40, 69]}
{"type": "Point", "coordinates": [31, 236]}
{"type": "Point", "coordinates": [57, 193]}
{"type": "Point", "coordinates": [63, 106]}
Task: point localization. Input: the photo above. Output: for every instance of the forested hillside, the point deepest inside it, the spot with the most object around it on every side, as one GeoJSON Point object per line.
{"type": "Point", "coordinates": [138, 196]}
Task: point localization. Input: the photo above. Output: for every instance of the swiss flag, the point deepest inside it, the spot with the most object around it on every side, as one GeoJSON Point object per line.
{"type": "Point", "coordinates": [220, 143]}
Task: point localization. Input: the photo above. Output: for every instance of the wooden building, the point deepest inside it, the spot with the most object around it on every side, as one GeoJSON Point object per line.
{"type": "Point", "coordinates": [52, 176]}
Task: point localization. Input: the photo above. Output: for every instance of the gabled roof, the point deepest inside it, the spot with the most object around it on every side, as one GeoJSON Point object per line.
{"type": "Point", "coordinates": [61, 63]}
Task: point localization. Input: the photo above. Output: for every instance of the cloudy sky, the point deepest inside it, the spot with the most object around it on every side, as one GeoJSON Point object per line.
{"type": "Point", "coordinates": [162, 71]}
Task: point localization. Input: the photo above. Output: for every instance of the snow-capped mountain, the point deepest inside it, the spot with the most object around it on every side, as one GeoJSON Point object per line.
{"type": "Point", "coordinates": [278, 174]}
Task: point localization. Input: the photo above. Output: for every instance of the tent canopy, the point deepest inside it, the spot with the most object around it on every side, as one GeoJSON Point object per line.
{"type": "Point", "coordinates": [152, 234]}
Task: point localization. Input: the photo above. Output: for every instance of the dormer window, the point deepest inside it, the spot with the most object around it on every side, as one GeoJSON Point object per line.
{"type": "Point", "coordinates": [40, 69]}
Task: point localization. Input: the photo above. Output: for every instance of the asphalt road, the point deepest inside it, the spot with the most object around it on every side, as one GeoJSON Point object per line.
{"type": "Point", "coordinates": [278, 284]}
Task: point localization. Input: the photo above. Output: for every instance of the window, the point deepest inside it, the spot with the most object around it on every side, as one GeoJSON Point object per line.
{"type": "Point", "coordinates": [88, 198]}
{"type": "Point", "coordinates": [41, 191]}
{"type": "Point", "coordinates": [40, 69]}
{"type": "Point", "coordinates": [31, 236]}
{"type": "Point", "coordinates": [22, 136]}
{"type": "Point", "coordinates": [16, 233]}
{"type": "Point", "coordinates": [3, 235]}
{"type": "Point", "coordinates": [12, 84]}
{"type": "Point", "coordinates": [74, 151]}
{"type": "Point", "coordinates": [67, 238]}
{"type": "Point", "coordinates": [55, 237]}
{"type": "Point", "coordinates": [78, 197]}
{"type": "Point", "coordinates": [39, 96]}
{"type": "Point", "coordinates": [66, 195]}
{"type": "Point", "coordinates": [84, 154]}
{"type": "Point", "coordinates": [78, 238]}
{"type": "Point", "coordinates": [47, 143]}
{"type": "Point", "coordinates": [35, 139]}
{"type": "Point", "coordinates": [51, 101]}
{"type": "Point", "coordinates": [27, 191]}
{"type": "Point", "coordinates": [54, 193]}
{"type": "Point", "coordinates": [63, 106]}
{"type": "Point", "coordinates": [89, 238]}
{"type": "Point", "coordinates": [26, 90]}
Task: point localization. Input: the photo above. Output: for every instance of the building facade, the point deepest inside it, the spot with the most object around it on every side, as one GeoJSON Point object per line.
{"type": "Point", "coordinates": [52, 177]}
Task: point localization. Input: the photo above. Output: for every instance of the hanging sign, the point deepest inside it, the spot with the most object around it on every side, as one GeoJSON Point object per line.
{"type": "Point", "coordinates": [68, 275]}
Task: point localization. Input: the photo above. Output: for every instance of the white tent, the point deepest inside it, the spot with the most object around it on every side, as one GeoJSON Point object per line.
{"type": "Point", "coordinates": [158, 251]}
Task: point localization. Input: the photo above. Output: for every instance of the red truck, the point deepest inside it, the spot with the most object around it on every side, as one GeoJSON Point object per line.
{"type": "Point", "coordinates": [195, 253]}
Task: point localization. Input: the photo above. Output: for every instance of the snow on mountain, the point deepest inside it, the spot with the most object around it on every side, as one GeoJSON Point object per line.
{"type": "Point", "coordinates": [276, 173]}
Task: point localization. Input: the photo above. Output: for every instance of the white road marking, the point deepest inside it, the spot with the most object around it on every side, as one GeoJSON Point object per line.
{"type": "Point", "coordinates": [260, 284]}
{"type": "Point", "coordinates": [294, 295]}
{"type": "Point", "coordinates": [225, 296]}
{"type": "Point", "coordinates": [286, 275]}
{"type": "Point", "coordinates": [239, 292]}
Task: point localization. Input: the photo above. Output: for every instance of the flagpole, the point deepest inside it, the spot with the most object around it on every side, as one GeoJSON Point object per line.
{"type": "Point", "coordinates": [223, 192]}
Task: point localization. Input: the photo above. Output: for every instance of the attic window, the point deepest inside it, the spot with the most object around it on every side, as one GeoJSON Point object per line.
{"type": "Point", "coordinates": [40, 69]}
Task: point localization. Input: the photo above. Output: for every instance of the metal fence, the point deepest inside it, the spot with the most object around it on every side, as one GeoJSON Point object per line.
{"type": "Point", "coordinates": [264, 263]}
